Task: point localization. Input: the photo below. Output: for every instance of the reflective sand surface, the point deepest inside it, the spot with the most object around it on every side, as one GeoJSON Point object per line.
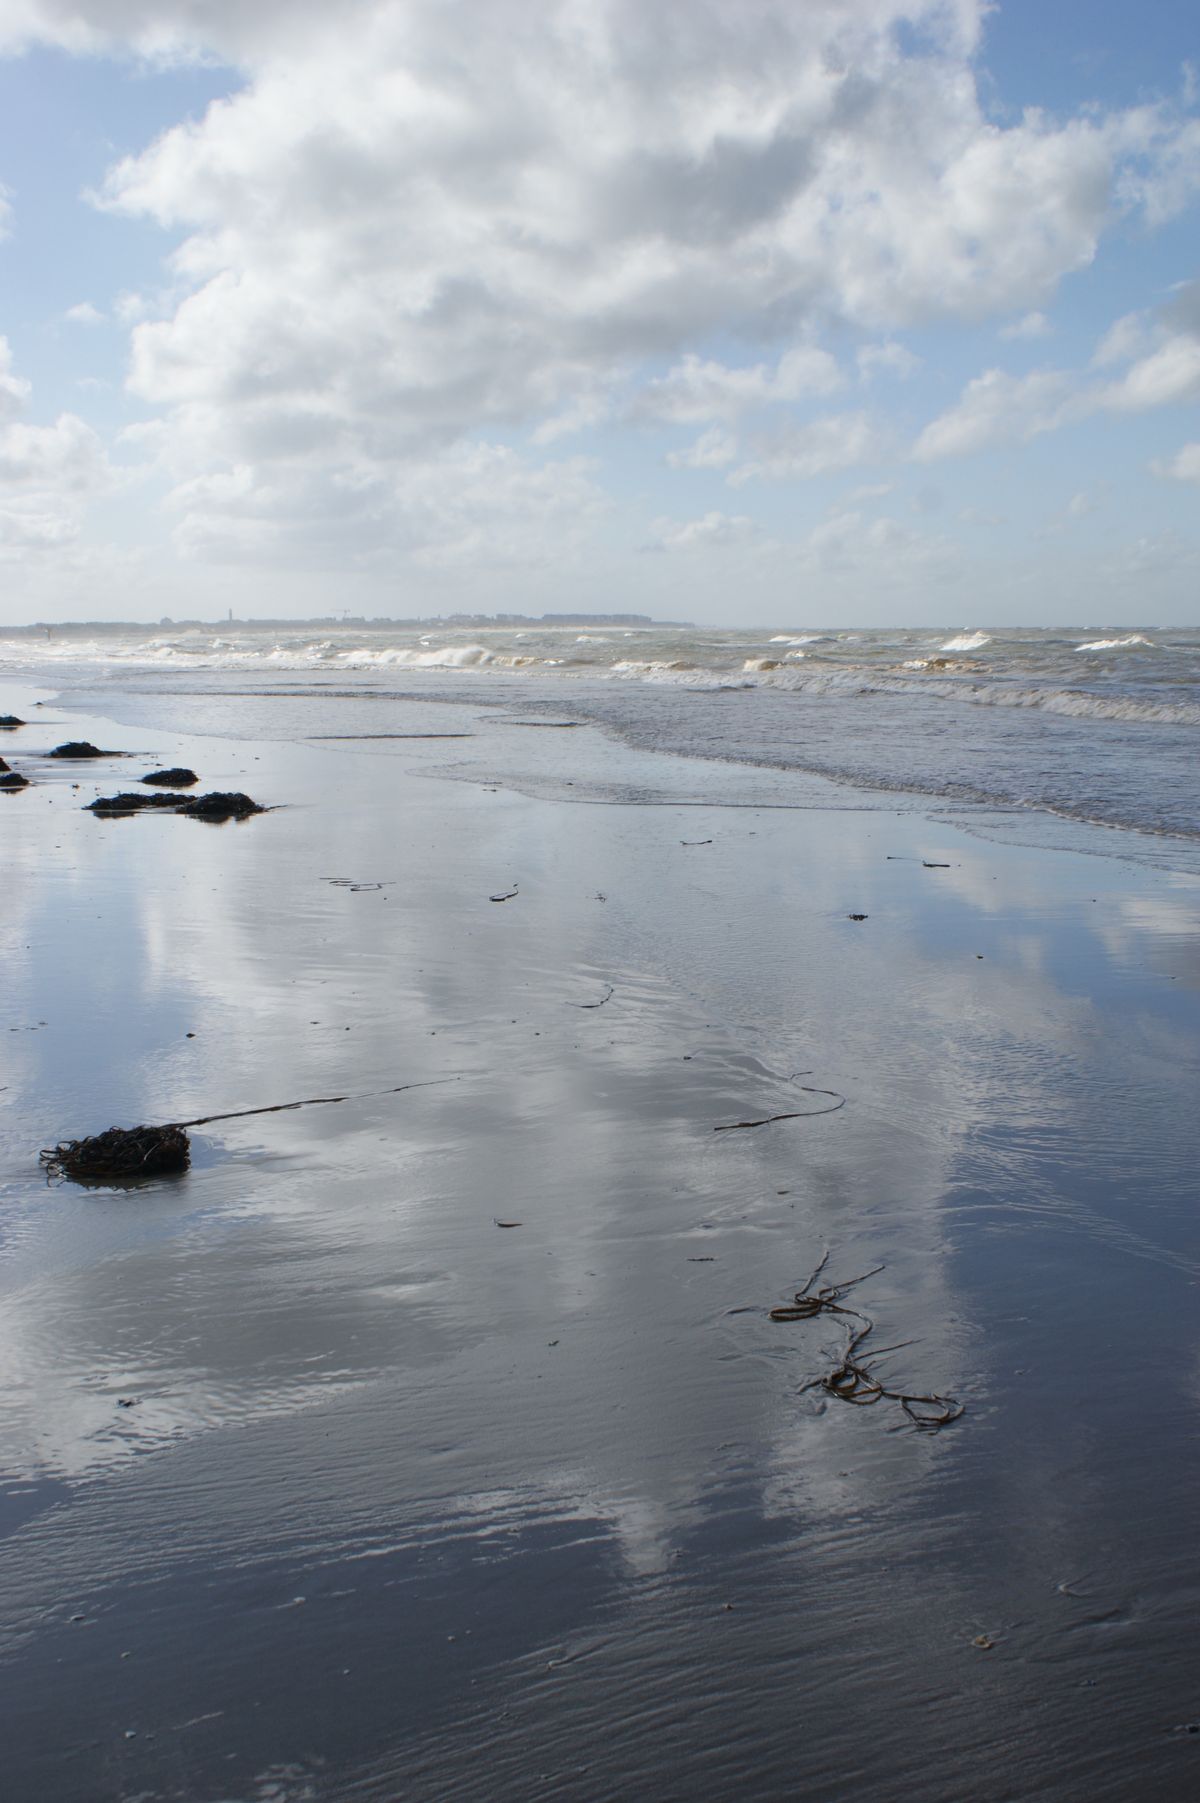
{"type": "Point", "coordinates": [410, 1504]}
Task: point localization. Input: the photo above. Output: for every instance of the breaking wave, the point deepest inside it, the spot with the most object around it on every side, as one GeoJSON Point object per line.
{"type": "Point", "coordinates": [1131, 639]}
{"type": "Point", "coordinates": [967, 641]}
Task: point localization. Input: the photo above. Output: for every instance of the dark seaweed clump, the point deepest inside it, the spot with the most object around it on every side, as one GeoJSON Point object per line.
{"type": "Point", "coordinates": [128, 1152]}
{"type": "Point", "coordinates": [79, 748]}
{"type": "Point", "coordinates": [171, 779]}
{"type": "Point", "coordinates": [222, 804]}
{"type": "Point", "coordinates": [217, 805]}
{"type": "Point", "coordinates": [12, 779]}
{"type": "Point", "coordinates": [127, 803]}
{"type": "Point", "coordinates": [8, 721]}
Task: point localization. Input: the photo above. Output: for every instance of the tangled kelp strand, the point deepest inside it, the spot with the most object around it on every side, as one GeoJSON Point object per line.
{"type": "Point", "coordinates": [851, 1380]}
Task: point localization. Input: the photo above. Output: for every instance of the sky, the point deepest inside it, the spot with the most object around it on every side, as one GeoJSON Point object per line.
{"type": "Point", "coordinates": [740, 311]}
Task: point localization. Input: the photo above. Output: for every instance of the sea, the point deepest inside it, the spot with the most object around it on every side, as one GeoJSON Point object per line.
{"type": "Point", "coordinates": [1081, 737]}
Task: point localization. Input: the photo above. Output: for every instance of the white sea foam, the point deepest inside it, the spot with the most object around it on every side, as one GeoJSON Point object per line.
{"type": "Point", "coordinates": [967, 641]}
{"type": "Point", "coordinates": [804, 638]}
{"type": "Point", "coordinates": [1080, 704]}
{"type": "Point", "coordinates": [1133, 638]}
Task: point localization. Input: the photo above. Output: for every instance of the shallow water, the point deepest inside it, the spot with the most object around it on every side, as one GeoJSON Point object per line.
{"type": "Point", "coordinates": [413, 1505]}
{"type": "Point", "coordinates": [1094, 727]}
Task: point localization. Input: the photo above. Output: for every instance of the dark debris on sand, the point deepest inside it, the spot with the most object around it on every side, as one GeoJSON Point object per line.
{"type": "Point", "coordinates": [80, 748]}
{"type": "Point", "coordinates": [171, 779]}
{"type": "Point", "coordinates": [128, 1152]}
{"type": "Point", "coordinates": [127, 803]}
{"type": "Point", "coordinates": [13, 780]}
{"type": "Point", "coordinates": [222, 804]}
{"type": "Point", "coordinates": [217, 805]}
{"type": "Point", "coordinates": [9, 721]}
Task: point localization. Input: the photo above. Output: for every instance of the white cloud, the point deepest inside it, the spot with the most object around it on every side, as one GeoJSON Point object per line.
{"type": "Point", "coordinates": [836, 442]}
{"type": "Point", "coordinates": [48, 474]}
{"type": "Point", "coordinates": [996, 408]}
{"type": "Point", "coordinates": [892, 358]}
{"type": "Point", "coordinates": [1124, 339]}
{"type": "Point", "coordinates": [1168, 375]}
{"type": "Point", "coordinates": [14, 389]}
{"type": "Point", "coordinates": [697, 389]}
{"type": "Point", "coordinates": [1162, 175]}
{"type": "Point", "coordinates": [713, 530]}
{"type": "Point", "coordinates": [419, 224]}
{"type": "Point", "coordinates": [457, 216]}
{"type": "Point", "coordinates": [1030, 325]}
{"type": "Point", "coordinates": [84, 314]}
{"type": "Point", "coordinates": [883, 552]}
{"type": "Point", "coordinates": [713, 450]}
{"type": "Point", "coordinates": [474, 505]}
{"type": "Point", "coordinates": [1184, 466]}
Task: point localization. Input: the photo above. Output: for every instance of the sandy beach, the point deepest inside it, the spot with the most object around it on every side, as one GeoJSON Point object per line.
{"type": "Point", "coordinates": [440, 1443]}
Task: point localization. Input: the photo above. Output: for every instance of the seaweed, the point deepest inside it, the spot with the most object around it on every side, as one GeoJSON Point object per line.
{"type": "Point", "coordinates": [171, 779]}
{"type": "Point", "coordinates": [128, 1152]}
{"type": "Point", "coordinates": [851, 1380]}
{"type": "Point", "coordinates": [222, 804]}
{"type": "Point", "coordinates": [80, 748]}
{"type": "Point", "coordinates": [218, 805]}
{"type": "Point", "coordinates": [133, 803]}
{"type": "Point", "coordinates": [12, 779]}
{"type": "Point", "coordinates": [802, 1114]}
{"type": "Point", "coordinates": [135, 1152]}
{"type": "Point", "coordinates": [9, 722]}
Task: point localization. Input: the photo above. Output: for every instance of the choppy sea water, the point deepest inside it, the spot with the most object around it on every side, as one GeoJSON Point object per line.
{"type": "Point", "coordinates": [1086, 725]}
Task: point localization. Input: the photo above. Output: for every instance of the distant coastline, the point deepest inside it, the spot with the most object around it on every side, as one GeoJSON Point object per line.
{"type": "Point", "coordinates": [342, 621]}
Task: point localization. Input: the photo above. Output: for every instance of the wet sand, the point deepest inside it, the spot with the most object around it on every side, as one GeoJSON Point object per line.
{"type": "Point", "coordinates": [409, 1504]}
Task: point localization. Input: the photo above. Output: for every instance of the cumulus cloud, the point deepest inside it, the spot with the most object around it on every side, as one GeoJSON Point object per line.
{"type": "Point", "coordinates": [836, 442]}
{"type": "Point", "coordinates": [14, 389]}
{"type": "Point", "coordinates": [997, 408]}
{"type": "Point", "coordinates": [890, 358]}
{"type": "Point", "coordinates": [713, 530]}
{"type": "Point", "coordinates": [419, 224]}
{"type": "Point", "coordinates": [697, 390]}
{"type": "Point", "coordinates": [1166, 376]}
{"type": "Point", "coordinates": [48, 474]}
{"type": "Point", "coordinates": [1184, 466]}
{"type": "Point", "coordinates": [1030, 325]}
{"type": "Point", "coordinates": [884, 553]}
{"type": "Point", "coordinates": [84, 314]}
{"type": "Point", "coordinates": [713, 450]}
{"type": "Point", "coordinates": [474, 505]}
